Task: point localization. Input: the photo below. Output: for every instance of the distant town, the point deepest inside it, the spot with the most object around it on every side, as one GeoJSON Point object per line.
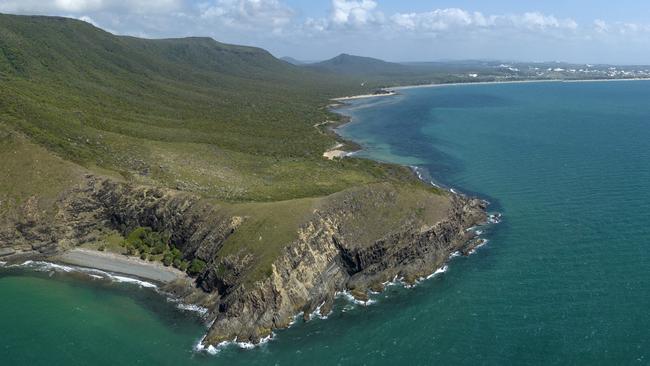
{"type": "Point", "coordinates": [561, 70]}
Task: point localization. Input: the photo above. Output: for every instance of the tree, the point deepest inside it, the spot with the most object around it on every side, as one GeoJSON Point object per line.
{"type": "Point", "coordinates": [197, 266]}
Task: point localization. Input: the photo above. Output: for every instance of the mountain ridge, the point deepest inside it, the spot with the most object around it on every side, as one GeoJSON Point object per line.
{"type": "Point", "coordinates": [360, 65]}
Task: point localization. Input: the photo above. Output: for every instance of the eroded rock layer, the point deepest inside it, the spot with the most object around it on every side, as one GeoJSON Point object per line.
{"type": "Point", "coordinates": [348, 242]}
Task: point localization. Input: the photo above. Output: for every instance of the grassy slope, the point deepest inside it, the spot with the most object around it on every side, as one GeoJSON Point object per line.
{"type": "Point", "coordinates": [228, 122]}
{"type": "Point", "coordinates": [231, 123]}
{"type": "Point", "coordinates": [28, 169]}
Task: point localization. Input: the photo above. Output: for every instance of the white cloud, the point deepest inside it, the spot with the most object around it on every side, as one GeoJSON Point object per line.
{"type": "Point", "coordinates": [601, 26]}
{"type": "Point", "coordinates": [87, 6]}
{"type": "Point", "coordinates": [164, 17]}
{"type": "Point", "coordinates": [612, 30]}
{"type": "Point", "coordinates": [541, 21]}
{"type": "Point", "coordinates": [76, 6]}
{"type": "Point", "coordinates": [88, 19]}
{"type": "Point", "coordinates": [363, 15]}
{"type": "Point", "coordinates": [318, 25]}
{"type": "Point", "coordinates": [248, 13]}
{"type": "Point", "coordinates": [354, 13]}
{"type": "Point", "coordinates": [440, 20]}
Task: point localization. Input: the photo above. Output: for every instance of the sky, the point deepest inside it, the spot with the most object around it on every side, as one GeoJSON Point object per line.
{"type": "Point", "coordinates": [594, 31]}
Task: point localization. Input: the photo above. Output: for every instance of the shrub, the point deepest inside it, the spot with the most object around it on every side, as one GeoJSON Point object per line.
{"type": "Point", "coordinates": [150, 243]}
{"type": "Point", "coordinates": [184, 266]}
{"type": "Point", "coordinates": [159, 248]}
{"type": "Point", "coordinates": [196, 267]}
{"type": "Point", "coordinates": [176, 254]}
{"type": "Point", "coordinates": [167, 259]}
{"type": "Point", "coordinates": [145, 239]}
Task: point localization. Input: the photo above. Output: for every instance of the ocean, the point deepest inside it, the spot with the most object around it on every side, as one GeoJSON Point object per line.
{"type": "Point", "coordinates": [564, 279]}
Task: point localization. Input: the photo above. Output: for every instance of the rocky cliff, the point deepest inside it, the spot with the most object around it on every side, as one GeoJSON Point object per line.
{"type": "Point", "coordinates": [351, 241]}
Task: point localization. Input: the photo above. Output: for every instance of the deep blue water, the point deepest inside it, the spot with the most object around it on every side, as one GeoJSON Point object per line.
{"type": "Point", "coordinates": [565, 279]}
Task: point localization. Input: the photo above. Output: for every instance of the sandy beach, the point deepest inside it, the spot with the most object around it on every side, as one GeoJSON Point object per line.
{"type": "Point", "coordinates": [336, 152]}
{"type": "Point", "coordinates": [405, 87]}
{"type": "Point", "coordinates": [121, 264]}
{"type": "Point", "coordinates": [362, 96]}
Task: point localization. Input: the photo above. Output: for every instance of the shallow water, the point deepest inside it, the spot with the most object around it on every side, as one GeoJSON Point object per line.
{"type": "Point", "coordinates": [563, 280]}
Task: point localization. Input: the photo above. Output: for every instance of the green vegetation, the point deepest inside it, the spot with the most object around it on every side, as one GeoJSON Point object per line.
{"type": "Point", "coordinates": [233, 124]}
{"type": "Point", "coordinates": [144, 240]}
{"type": "Point", "coordinates": [360, 66]}
{"type": "Point", "coordinates": [382, 207]}
{"type": "Point", "coordinates": [269, 227]}
{"type": "Point", "coordinates": [196, 267]}
{"type": "Point", "coordinates": [152, 245]}
{"type": "Point", "coordinates": [25, 169]}
{"type": "Point", "coordinates": [228, 122]}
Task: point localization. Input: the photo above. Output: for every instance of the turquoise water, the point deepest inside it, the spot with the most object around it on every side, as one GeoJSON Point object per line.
{"type": "Point", "coordinates": [565, 279]}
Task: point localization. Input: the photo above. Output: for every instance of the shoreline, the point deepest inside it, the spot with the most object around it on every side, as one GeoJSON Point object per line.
{"type": "Point", "coordinates": [119, 264]}
{"type": "Point", "coordinates": [406, 87]}
{"type": "Point", "coordinates": [418, 86]}
{"type": "Point", "coordinates": [336, 152]}
{"type": "Point", "coordinates": [362, 96]}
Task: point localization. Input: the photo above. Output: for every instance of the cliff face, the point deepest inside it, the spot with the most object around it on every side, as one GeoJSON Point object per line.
{"type": "Point", "coordinates": [335, 249]}
{"type": "Point", "coordinates": [323, 262]}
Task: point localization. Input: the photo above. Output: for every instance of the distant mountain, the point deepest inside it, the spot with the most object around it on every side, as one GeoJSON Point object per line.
{"type": "Point", "coordinates": [292, 61]}
{"type": "Point", "coordinates": [358, 65]}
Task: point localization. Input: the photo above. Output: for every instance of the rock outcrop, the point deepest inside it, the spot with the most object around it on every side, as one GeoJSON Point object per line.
{"type": "Point", "coordinates": [322, 262]}
{"type": "Point", "coordinates": [327, 256]}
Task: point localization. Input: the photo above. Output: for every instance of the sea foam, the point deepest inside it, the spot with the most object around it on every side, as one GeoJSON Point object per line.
{"type": "Point", "coordinates": [42, 266]}
{"type": "Point", "coordinates": [316, 313]}
{"type": "Point", "coordinates": [482, 243]}
{"type": "Point", "coordinates": [348, 296]}
{"type": "Point", "coordinates": [213, 350]}
{"type": "Point", "coordinates": [438, 271]}
{"type": "Point", "coordinates": [189, 307]}
{"type": "Point", "coordinates": [494, 218]}
{"type": "Point", "coordinates": [133, 281]}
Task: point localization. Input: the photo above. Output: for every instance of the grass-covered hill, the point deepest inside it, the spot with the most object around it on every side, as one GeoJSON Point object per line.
{"type": "Point", "coordinates": [376, 73]}
{"type": "Point", "coordinates": [357, 65]}
{"type": "Point", "coordinates": [241, 130]}
{"type": "Point", "coordinates": [228, 122]}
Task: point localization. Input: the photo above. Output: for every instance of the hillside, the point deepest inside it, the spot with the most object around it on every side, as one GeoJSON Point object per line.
{"type": "Point", "coordinates": [209, 158]}
{"type": "Point", "coordinates": [228, 122]}
{"type": "Point", "coordinates": [345, 64]}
